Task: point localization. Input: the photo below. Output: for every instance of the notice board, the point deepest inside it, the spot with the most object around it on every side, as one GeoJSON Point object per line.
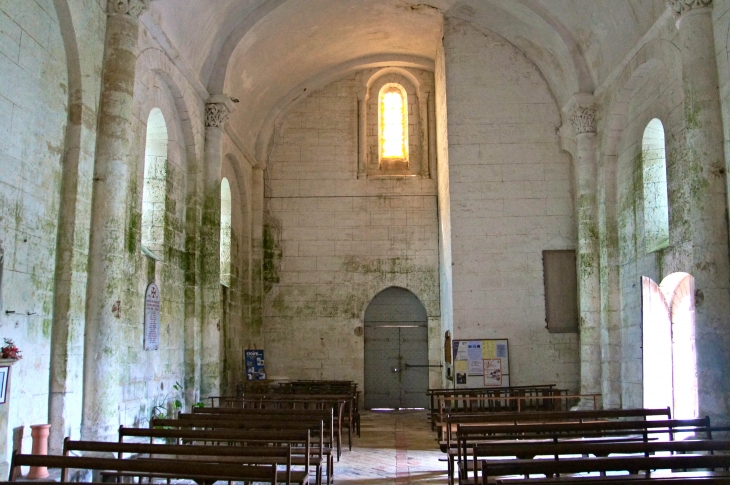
{"type": "Point", "coordinates": [481, 363]}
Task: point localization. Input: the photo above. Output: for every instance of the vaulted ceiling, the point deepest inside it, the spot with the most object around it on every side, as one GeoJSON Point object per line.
{"type": "Point", "coordinates": [267, 53]}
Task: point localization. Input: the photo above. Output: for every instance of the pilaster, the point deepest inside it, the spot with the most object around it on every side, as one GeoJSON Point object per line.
{"type": "Point", "coordinates": [217, 110]}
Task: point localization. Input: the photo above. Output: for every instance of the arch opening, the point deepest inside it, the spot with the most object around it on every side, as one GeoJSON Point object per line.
{"type": "Point", "coordinates": [155, 183]}
{"type": "Point", "coordinates": [668, 342]}
{"type": "Point", "coordinates": [396, 351]}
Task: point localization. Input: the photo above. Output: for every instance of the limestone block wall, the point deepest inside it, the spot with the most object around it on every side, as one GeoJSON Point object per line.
{"type": "Point", "coordinates": [148, 376]}
{"type": "Point", "coordinates": [34, 103]}
{"type": "Point", "coordinates": [332, 242]}
{"type": "Point", "coordinates": [510, 188]}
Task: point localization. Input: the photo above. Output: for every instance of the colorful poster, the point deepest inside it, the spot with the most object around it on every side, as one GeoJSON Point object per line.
{"type": "Point", "coordinates": [492, 372]}
{"type": "Point", "coordinates": [488, 349]}
{"type": "Point", "coordinates": [255, 370]}
{"type": "Point", "coordinates": [474, 351]}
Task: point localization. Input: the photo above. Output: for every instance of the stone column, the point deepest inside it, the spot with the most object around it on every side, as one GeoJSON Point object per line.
{"type": "Point", "coordinates": [362, 133]}
{"type": "Point", "coordinates": [110, 225]}
{"type": "Point", "coordinates": [705, 168]}
{"type": "Point", "coordinates": [217, 110]}
{"type": "Point", "coordinates": [585, 167]}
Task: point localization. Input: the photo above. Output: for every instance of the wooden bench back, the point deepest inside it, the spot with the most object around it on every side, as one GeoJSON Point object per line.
{"type": "Point", "coordinates": [493, 468]}
{"type": "Point", "coordinates": [448, 427]}
{"type": "Point", "coordinates": [531, 450]}
{"type": "Point", "coordinates": [666, 425]}
{"type": "Point", "coordinates": [167, 468]}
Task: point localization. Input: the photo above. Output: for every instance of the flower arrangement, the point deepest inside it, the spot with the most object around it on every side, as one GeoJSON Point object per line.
{"type": "Point", "coordinates": [10, 350]}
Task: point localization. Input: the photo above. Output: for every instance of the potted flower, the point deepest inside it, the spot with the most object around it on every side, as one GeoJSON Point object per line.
{"type": "Point", "coordinates": [10, 350]}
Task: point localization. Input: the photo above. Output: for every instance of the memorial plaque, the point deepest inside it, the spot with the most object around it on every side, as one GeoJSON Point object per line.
{"type": "Point", "coordinates": [152, 318]}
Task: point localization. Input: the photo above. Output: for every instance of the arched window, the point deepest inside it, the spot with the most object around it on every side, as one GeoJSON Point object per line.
{"type": "Point", "coordinates": [393, 123]}
{"type": "Point", "coordinates": [155, 183]}
{"type": "Point", "coordinates": [225, 232]}
{"type": "Point", "coordinates": [656, 204]}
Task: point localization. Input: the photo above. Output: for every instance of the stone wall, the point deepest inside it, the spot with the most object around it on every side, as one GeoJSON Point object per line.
{"type": "Point", "coordinates": [35, 95]}
{"type": "Point", "coordinates": [510, 191]}
{"type": "Point", "coordinates": [332, 242]}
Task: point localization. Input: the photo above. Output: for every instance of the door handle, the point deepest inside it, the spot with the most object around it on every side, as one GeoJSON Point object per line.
{"type": "Point", "coordinates": [395, 369]}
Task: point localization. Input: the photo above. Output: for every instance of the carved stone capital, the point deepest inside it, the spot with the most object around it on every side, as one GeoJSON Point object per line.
{"type": "Point", "coordinates": [681, 7]}
{"type": "Point", "coordinates": [583, 120]}
{"type": "Point", "coordinates": [217, 110]}
{"type": "Point", "coordinates": [216, 114]}
{"type": "Point", "coordinates": [582, 114]}
{"type": "Point", "coordinates": [135, 8]}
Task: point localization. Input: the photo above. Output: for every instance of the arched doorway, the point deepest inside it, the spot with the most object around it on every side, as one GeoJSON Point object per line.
{"type": "Point", "coordinates": [396, 351]}
{"type": "Point", "coordinates": [669, 353]}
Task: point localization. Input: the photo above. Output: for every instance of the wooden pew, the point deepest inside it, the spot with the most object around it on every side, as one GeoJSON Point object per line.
{"type": "Point", "coordinates": [448, 427]}
{"type": "Point", "coordinates": [325, 414]}
{"type": "Point", "coordinates": [484, 403]}
{"type": "Point", "coordinates": [328, 387]}
{"type": "Point", "coordinates": [527, 451]}
{"type": "Point", "coordinates": [434, 396]}
{"type": "Point", "coordinates": [301, 401]}
{"type": "Point", "coordinates": [448, 445]}
{"type": "Point", "coordinates": [202, 473]}
{"type": "Point", "coordinates": [317, 455]}
{"type": "Point", "coordinates": [299, 440]}
{"type": "Point", "coordinates": [470, 436]}
{"type": "Point", "coordinates": [240, 455]}
{"type": "Point", "coordinates": [494, 468]}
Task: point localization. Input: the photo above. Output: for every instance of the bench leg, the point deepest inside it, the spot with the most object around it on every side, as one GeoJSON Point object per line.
{"type": "Point", "coordinates": [451, 470]}
{"type": "Point", "coordinates": [349, 434]}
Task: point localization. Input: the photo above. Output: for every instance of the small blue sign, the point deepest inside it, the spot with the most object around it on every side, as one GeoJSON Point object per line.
{"type": "Point", "coordinates": [255, 370]}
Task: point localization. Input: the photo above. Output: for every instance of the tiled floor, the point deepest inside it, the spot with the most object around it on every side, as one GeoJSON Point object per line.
{"type": "Point", "coordinates": [396, 447]}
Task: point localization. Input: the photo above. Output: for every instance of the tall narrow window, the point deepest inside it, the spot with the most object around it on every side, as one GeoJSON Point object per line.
{"type": "Point", "coordinates": [656, 204]}
{"type": "Point", "coordinates": [393, 123]}
{"type": "Point", "coordinates": [155, 183]}
{"type": "Point", "coordinates": [225, 232]}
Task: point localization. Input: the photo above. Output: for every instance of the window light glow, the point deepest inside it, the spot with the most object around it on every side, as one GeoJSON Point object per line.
{"type": "Point", "coordinates": [393, 124]}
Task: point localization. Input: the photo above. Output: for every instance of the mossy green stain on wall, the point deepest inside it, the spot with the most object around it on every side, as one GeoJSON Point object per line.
{"type": "Point", "coordinates": [134, 218]}
{"type": "Point", "coordinates": [362, 278]}
{"type": "Point", "coordinates": [272, 255]}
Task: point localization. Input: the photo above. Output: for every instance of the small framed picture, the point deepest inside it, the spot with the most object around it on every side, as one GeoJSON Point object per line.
{"type": "Point", "coordinates": [4, 376]}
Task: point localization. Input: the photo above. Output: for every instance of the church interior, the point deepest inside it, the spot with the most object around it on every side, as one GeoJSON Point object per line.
{"type": "Point", "coordinates": [363, 191]}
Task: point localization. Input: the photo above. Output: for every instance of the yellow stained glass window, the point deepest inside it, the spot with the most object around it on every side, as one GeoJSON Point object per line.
{"type": "Point", "coordinates": [393, 123]}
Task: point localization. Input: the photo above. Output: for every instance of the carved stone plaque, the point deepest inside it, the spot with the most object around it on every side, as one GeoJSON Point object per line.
{"type": "Point", "coordinates": [152, 318]}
